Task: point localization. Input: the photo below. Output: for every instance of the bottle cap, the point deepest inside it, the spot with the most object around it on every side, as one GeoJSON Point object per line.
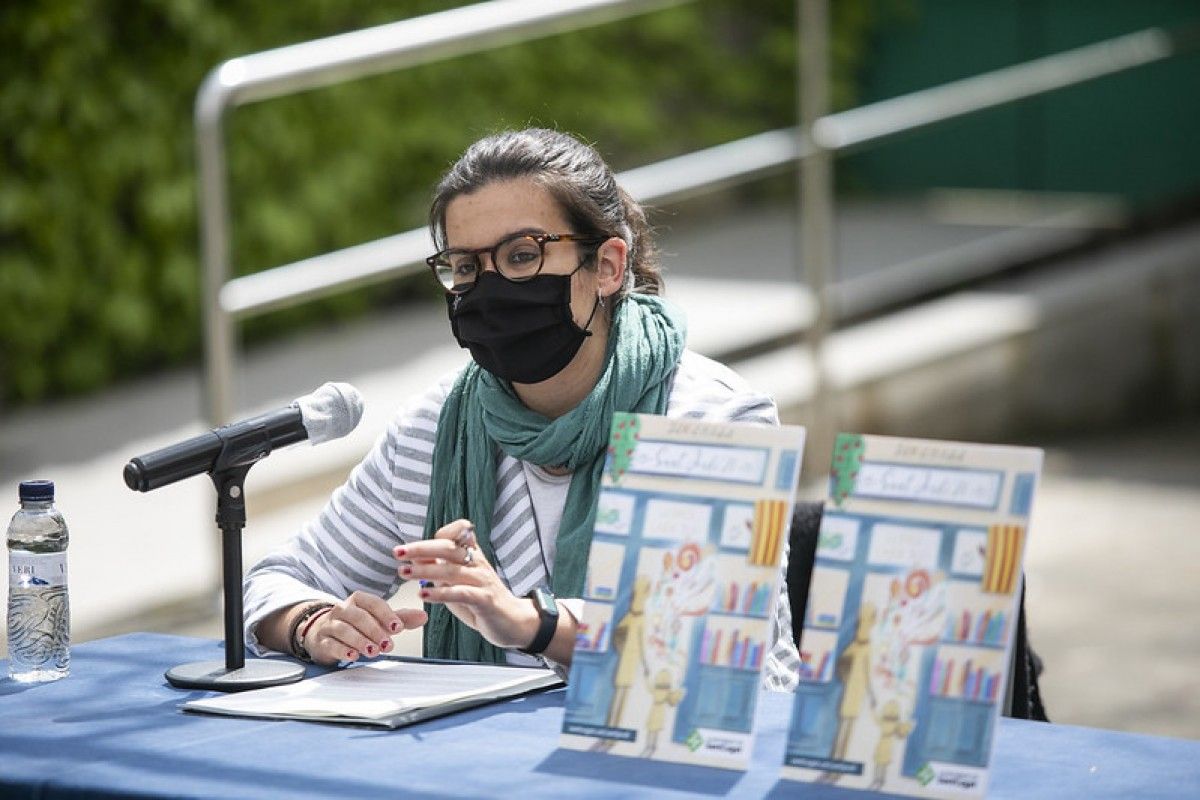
{"type": "Point", "coordinates": [36, 491]}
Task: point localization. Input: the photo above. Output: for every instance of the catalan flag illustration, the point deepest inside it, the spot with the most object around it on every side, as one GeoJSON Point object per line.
{"type": "Point", "coordinates": [1003, 558]}
{"type": "Point", "coordinates": [770, 522]}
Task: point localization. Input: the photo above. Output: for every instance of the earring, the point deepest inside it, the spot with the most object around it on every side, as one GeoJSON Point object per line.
{"type": "Point", "coordinates": [600, 299]}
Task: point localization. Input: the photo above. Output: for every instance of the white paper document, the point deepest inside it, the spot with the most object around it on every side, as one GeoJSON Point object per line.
{"type": "Point", "coordinates": [386, 693]}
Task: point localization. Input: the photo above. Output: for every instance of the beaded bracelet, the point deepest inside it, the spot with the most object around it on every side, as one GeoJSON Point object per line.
{"type": "Point", "coordinates": [309, 615]}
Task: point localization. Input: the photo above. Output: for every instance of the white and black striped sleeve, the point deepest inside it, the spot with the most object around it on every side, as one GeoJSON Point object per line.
{"type": "Point", "coordinates": [347, 548]}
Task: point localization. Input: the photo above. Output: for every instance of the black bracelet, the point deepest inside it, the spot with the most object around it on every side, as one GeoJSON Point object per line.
{"type": "Point", "coordinates": [297, 646]}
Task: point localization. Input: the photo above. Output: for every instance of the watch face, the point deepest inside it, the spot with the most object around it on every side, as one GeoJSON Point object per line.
{"type": "Point", "coordinates": [544, 602]}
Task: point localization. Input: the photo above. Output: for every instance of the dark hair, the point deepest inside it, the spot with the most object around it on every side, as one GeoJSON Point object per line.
{"type": "Point", "coordinates": [575, 175]}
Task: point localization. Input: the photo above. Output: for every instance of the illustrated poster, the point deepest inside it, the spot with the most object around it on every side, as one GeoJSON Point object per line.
{"type": "Point", "coordinates": [911, 615]}
{"type": "Point", "coordinates": [683, 574]}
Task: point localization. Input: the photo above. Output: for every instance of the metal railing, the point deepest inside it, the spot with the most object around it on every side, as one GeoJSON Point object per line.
{"type": "Point", "coordinates": [288, 70]}
{"type": "Point", "coordinates": [487, 25]}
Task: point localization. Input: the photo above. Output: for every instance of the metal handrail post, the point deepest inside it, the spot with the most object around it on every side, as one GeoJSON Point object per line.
{"type": "Point", "coordinates": [815, 251]}
{"type": "Point", "coordinates": [213, 189]}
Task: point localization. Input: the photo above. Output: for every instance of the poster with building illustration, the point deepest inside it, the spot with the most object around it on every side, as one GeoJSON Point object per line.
{"type": "Point", "coordinates": [691, 524]}
{"type": "Point", "coordinates": [911, 615]}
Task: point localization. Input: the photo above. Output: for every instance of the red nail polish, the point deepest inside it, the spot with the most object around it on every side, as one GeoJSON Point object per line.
{"type": "Point", "coordinates": [384, 644]}
{"type": "Point", "coordinates": [424, 594]}
{"type": "Point", "coordinates": [370, 649]}
{"type": "Point", "coordinates": [406, 570]}
{"type": "Point", "coordinates": [395, 627]}
{"type": "Point", "coordinates": [400, 552]}
{"type": "Point", "coordinates": [350, 655]}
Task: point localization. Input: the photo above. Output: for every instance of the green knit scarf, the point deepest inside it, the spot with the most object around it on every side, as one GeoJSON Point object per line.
{"type": "Point", "coordinates": [483, 414]}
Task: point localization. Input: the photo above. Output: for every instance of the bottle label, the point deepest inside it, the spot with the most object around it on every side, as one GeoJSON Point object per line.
{"type": "Point", "coordinates": [36, 570]}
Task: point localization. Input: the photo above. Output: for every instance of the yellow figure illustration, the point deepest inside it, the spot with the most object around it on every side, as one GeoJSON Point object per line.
{"type": "Point", "coordinates": [627, 642]}
{"type": "Point", "coordinates": [662, 696]}
{"type": "Point", "coordinates": [891, 728]}
{"type": "Point", "coordinates": [854, 672]}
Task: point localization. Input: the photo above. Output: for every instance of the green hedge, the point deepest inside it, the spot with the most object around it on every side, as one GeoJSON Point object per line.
{"type": "Point", "coordinates": [99, 270]}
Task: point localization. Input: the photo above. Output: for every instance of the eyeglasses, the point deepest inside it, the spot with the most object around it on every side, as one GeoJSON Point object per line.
{"type": "Point", "coordinates": [517, 258]}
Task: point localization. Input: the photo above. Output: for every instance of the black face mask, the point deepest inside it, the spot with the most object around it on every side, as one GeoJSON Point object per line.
{"type": "Point", "coordinates": [521, 332]}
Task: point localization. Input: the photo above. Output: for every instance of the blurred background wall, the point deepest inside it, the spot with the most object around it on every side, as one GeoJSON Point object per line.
{"type": "Point", "coordinates": [1127, 134]}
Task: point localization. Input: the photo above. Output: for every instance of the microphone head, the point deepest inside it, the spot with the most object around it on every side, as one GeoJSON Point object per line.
{"type": "Point", "coordinates": [331, 412]}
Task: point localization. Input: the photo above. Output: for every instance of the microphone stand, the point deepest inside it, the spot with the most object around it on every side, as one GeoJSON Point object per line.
{"type": "Point", "coordinates": [239, 452]}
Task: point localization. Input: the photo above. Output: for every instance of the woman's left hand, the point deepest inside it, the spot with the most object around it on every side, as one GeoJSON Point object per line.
{"type": "Point", "coordinates": [456, 574]}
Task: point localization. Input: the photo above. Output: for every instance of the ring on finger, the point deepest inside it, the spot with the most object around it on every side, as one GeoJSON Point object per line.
{"type": "Point", "coordinates": [466, 537]}
{"type": "Point", "coordinates": [469, 557]}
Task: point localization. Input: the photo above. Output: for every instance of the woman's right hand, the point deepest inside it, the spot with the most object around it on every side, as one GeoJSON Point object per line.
{"type": "Point", "coordinates": [360, 625]}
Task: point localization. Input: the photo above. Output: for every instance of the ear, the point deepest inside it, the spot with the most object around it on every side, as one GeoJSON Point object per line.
{"type": "Point", "coordinates": [612, 260]}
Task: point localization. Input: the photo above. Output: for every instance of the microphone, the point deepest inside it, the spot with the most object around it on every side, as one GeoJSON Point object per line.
{"type": "Point", "coordinates": [330, 412]}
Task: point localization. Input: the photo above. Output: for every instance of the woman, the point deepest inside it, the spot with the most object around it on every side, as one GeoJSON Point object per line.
{"type": "Point", "coordinates": [484, 489]}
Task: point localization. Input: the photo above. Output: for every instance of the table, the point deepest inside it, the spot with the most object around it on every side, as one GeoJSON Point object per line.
{"type": "Point", "coordinates": [114, 729]}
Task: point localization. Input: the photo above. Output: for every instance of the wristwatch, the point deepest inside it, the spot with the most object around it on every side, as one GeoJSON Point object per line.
{"type": "Point", "coordinates": [547, 610]}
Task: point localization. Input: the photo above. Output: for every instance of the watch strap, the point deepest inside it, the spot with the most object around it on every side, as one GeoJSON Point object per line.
{"type": "Point", "coordinates": [547, 610]}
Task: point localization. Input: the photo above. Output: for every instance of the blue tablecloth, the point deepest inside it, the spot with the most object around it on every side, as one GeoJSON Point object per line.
{"type": "Point", "coordinates": [114, 729]}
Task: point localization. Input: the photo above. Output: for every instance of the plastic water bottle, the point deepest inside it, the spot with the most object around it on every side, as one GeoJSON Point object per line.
{"type": "Point", "coordinates": [39, 618]}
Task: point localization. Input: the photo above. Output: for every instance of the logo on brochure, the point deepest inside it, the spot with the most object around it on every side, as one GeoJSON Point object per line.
{"type": "Point", "coordinates": [714, 741]}
{"type": "Point", "coordinates": [954, 777]}
{"type": "Point", "coordinates": [727, 743]}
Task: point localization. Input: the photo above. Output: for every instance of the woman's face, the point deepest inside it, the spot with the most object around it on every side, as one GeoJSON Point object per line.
{"type": "Point", "coordinates": [503, 208]}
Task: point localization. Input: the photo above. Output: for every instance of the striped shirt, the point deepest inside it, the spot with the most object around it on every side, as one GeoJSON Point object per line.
{"type": "Point", "coordinates": [348, 547]}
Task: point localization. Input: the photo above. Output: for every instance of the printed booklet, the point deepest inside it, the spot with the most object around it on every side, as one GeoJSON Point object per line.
{"type": "Point", "coordinates": [911, 615]}
{"type": "Point", "coordinates": [683, 576]}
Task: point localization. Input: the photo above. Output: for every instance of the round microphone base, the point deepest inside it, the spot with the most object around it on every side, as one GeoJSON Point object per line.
{"type": "Point", "coordinates": [215, 676]}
